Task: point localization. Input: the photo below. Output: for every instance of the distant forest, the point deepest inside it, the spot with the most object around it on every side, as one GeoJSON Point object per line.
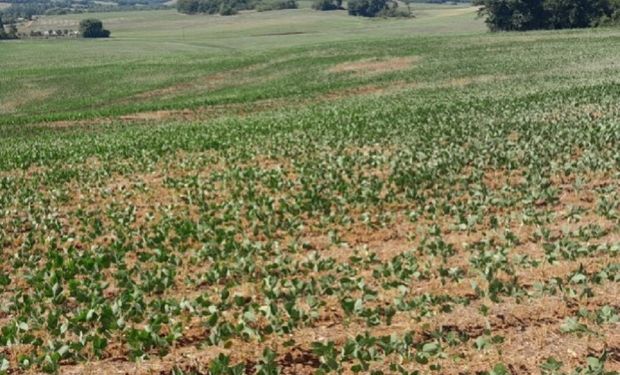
{"type": "Point", "coordinates": [26, 9]}
{"type": "Point", "coordinates": [366, 8]}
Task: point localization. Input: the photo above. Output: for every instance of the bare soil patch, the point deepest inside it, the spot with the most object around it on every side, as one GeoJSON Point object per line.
{"type": "Point", "coordinates": [29, 94]}
{"type": "Point", "coordinates": [375, 66]}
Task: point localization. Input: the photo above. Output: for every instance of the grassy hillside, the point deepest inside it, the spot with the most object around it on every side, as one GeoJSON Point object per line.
{"type": "Point", "coordinates": [310, 193]}
{"type": "Point", "coordinates": [151, 50]}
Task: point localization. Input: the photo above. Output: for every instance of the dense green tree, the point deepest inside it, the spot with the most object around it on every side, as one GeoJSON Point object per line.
{"type": "Point", "coordinates": [575, 13]}
{"type": "Point", "coordinates": [519, 15]}
{"type": "Point", "coordinates": [507, 15]}
{"type": "Point", "coordinates": [93, 28]}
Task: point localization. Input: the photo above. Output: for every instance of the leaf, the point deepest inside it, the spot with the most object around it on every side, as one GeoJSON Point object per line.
{"type": "Point", "coordinates": [431, 348]}
{"type": "Point", "coordinates": [482, 342]}
{"type": "Point", "coordinates": [550, 366]}
{"type": "Point", "coordinates": [63, 350]}
{"type": "Point", "coordinates": [578, 278]}
{"type": "Point", "coordinates": [4, 279]}
{"type": "Point", "coordinates": [571, 325]}
{"type": "Point", "coordinates": [595, 364]}
{"type": "Point", "coordinates": [4, 364]}
{"type": "Point", "coordinates": [500, 369]}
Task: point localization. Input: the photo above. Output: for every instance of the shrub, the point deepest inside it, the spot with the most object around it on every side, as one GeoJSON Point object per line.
{"type": "Point", "coordinates": [327, 4]}
{"type": "Point", "coordinates": [614, 19]}
{"type": "Point", "coordinates": [187, 6]}
{"type": "Point", "coordinates": [393, 10]}
{"type": "Point", "coordinates": [226, 9]}
{"type": "Point", "coordinates": [366, 8]}
{"type": "Point", "coordinates": [276, 5]}
{"type": "Point", "coordinates": [93, 28]}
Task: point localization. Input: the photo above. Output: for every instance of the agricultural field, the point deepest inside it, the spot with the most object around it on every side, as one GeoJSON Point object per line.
{"type": "Point", "coordinates": [305, 193]}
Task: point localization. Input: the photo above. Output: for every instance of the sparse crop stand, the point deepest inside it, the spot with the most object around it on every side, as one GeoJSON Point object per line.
{"type": "Point", "coordinates": [299, 194]}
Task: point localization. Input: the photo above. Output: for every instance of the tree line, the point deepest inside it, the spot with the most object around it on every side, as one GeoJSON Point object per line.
{"type": "Point", "coordinates": [364, 8]}
{"type": "Point", "coordinates": [522, 15]}
{"type": "Point", "coordinates": [231, 7]}
{"type": "Point", "coordinates": [501, 15]}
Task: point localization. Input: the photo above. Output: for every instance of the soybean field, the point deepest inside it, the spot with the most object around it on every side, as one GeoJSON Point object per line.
{"type": "Point", "coordinates": [283, 193]}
